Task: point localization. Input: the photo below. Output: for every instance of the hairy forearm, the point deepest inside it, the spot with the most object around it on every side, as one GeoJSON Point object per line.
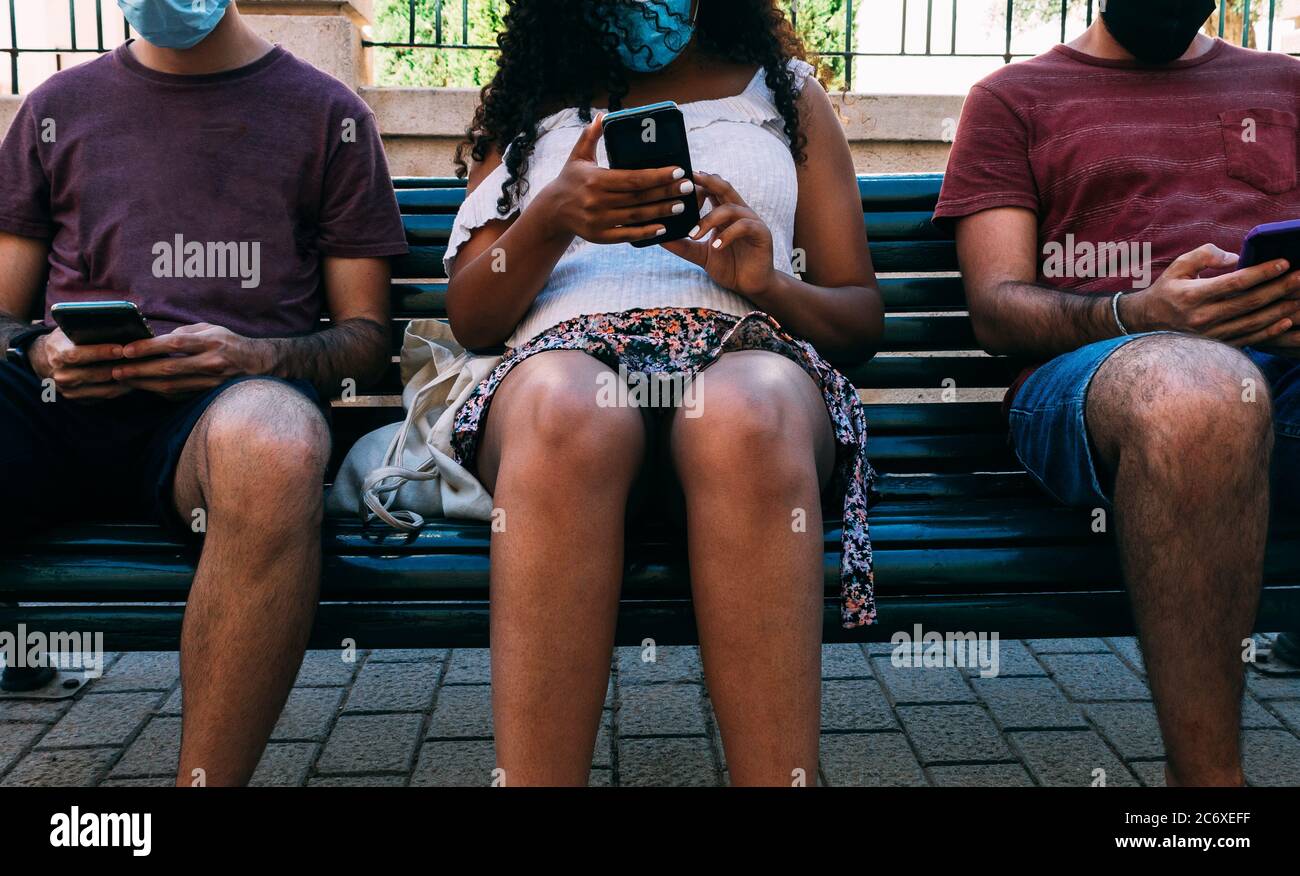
{"type": "Point", "coordinates": [845, 323]}
{"type": "Point", "coordinates": [354, 349]}
{"type": "Point", "coordinates": [1026, 319]}
{"type": "Point", "coordinates": [488, 295]}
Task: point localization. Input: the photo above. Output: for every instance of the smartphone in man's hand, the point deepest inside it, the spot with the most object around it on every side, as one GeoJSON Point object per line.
{"type": "Point", "coordinates": [101, 322]}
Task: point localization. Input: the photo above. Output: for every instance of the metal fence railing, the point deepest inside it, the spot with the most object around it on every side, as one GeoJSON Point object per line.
{"type": "Point", "coordinates": [446, 25]}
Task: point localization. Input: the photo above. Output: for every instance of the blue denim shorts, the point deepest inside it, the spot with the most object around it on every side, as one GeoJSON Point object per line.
{"type": "Point", "coordinates": [1050, 432]}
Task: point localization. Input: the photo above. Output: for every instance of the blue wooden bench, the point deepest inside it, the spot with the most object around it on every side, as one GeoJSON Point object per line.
{"type": "Point", "coordinates": [963, 540]}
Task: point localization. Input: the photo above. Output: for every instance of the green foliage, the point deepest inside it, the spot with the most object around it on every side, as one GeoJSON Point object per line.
{"type": "Point", "coordinates": [820, 23]}
{"type": "Point", "coordinates": [427, 67]}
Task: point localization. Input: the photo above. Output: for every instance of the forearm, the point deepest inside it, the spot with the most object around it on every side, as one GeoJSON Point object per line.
{"type": "Point", "coordinates": [489, 294]}
{"type": "Point", "coordinates": [846, 323]}
{"type": "Point", "coordinates": [1026, 319]}
{"type": "Point", "coordinates": [354, 349]}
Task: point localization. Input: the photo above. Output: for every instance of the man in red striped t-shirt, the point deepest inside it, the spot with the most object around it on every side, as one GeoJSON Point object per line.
{"type": "Point", "coordinates": [1098, 193]}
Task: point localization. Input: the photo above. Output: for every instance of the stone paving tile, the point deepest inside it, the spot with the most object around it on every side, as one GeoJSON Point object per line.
{"type": "Point", "coordinates": [13, 739]}
{"type": "Point", "coordinates": [980, 775]}
{"type": "Point", "coordinates": [1028, 703]}
{"type": "Point", "coordinates": [325, 668]}
{"type": "Point", "coordinates": [77, 767]}
{"type": "Point", "coordinates": [1290, 712]}
{"type": "Point", "coordinates": [1150, 773]}
{"type": "Point", "coordinates": [393, 687]}
{"type": "Point", "coordinates": [371, 744]}
{"type": "Point", "coordinates": [33, 711]}
{"type": "Point", "coordinates": [154, 782]}
{"type": "Point", "coordinates": [1066, 646]}
{"type": "Point", "coordinates": [146, 670]}
{"type": "Point", "coordinates": [1130, 728]}
{"type": "Point", "coordinates": [1255, 717]}
{"type": "Point", "coordinates": [600, 779]}
{"type": "Point", "coordinates": [1273, 687]}
{"type": "Point", "coordinates": [357, 782]}
{"type": "Point", "coordinates": [923, 685]}
{"type": "Point", "coordinates": [855, 705]}
{"type": "Point", "coordinates": [469, 666]}
{"type": "Point", "coordinates": [155, 752]}
{"type": "Point", "coordinates": [1095, 677]}
{"type": "Point", "coordinates": [603, 755]}
{"type": "Point", "coordinates": [308, 714]}
{"type": "Point", "coordinates": [677, 762]}
{"type": "Point", "coordinates": [869, 760]}
{"type": "Point", "coordinates": [947, 734]}
{"type": "Point", "coordinates": [284, 764]}
{"type": "Point", "coordinates": [460, 764]}
{"type": "Point", "coordinates": [102, 719]}
{"type": "Point", "coordinates": [1014, 660]}
{"type": "Point", "coordinates": [661, 709]}
{"type": "Point", "coordinates": [1069, 757]}
{"type": "Point", "coordinates": [671, 663]}
{"type": "Point", "coordinates": [844, 661]}
{"type": "Point", "coordinates": [462, 712]}
{"type": "Point", "coordinates": [1271, 757]}
{"type": "Point", "coordinates": [172, 705]}
{"type": "Point", "coordinates": [1129, 650]}
{"type": "Point", "coordinates": [407, 655]}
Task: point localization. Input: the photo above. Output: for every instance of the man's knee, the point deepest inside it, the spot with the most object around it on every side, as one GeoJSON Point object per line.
{"type": "Point", "coordinates": [265, 449]}
{"type": "Point", "coordinates": [1180, 401]}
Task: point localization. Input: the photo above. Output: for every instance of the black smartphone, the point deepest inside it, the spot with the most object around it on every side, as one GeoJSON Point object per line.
{"type": "Point", "coordinates": [647, 137]}
{"type": "Point", "coordinates": [1276, 240]}
{"type": "Point", "coordinates": [101, 322]}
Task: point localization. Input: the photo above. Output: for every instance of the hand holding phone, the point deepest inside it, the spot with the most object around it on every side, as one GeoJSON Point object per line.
{"type": "Point", "coordinates": [654, 136]}
{"type": "Point", "coordinates": [604, 205]}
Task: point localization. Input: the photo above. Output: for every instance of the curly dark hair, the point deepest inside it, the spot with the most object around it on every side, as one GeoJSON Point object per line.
{"type": "Point", "coordinates": [563, 54]}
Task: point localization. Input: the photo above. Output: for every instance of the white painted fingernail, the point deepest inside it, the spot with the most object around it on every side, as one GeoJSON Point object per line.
{"type": "Point", "coordinates": [694, 231]}
{"type": "Point", "coordinates": [679, 172]}
{"type": "Point", "coordinates": [679, 207]}
{"type": "Point", "coordinates": [688, 187]}
{"type": "Point", "coordinates": [717, 243]}
{"type": "Point", "coordinates": [661, 231]}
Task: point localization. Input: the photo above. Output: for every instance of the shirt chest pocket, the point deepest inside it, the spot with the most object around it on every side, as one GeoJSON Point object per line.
{"type": "Point", "coordinates": [1260, 147]}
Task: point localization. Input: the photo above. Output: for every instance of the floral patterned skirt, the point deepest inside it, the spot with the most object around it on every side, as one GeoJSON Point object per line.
{"type": "Point", "coordinates": [681, 341]}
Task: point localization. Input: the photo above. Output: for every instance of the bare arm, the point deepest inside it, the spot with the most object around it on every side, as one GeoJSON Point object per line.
{"type": "Point", "coordinates": [1014, 315]}
{"type": "Point", "coordinates": [22, 267]}
{"type": "Point", "coordinates": [354, 347]}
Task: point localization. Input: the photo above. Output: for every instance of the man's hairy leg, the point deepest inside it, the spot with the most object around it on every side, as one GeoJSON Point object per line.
{"type": "Point", "coordinates": [1184, 424]}
{"type": "Point", "coordinates": [255, 463]}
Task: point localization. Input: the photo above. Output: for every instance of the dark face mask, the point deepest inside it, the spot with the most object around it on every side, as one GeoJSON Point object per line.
{"type": "Point", "coordinates": [1155, 31]}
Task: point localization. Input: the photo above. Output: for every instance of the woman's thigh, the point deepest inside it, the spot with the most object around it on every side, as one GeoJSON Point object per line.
{"type": "Point", "coordinates": [555, 398]}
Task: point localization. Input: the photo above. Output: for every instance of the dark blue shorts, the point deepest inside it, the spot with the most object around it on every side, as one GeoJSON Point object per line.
{"type": "Point", "coordinates": [1050, 432]}
{"type": "Point", "coordinates": [64, 461]}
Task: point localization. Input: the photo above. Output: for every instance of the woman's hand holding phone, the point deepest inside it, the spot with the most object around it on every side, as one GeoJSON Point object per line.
{"type": "Point", "coordinates": [80, 372]}
{"type": "Point", "coordinates": [739, 257]}
{"type": "Point", "coordinates": [610, 206]}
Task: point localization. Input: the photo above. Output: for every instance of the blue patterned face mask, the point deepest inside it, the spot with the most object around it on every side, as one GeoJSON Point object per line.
{"type": "Point", "coordinates": [657, 31]}
{"type": "Point", "coordinates": [173, 24]}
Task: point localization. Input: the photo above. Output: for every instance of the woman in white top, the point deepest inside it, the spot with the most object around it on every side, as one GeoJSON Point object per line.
{"type": "Point", "coordinates": [763, 429]}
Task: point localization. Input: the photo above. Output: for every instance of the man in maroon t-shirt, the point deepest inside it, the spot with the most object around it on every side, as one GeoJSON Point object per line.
{"type": "Point", "coordinates": [234, 194]}
{"type": "Point", "coordinates": [1099, 192]}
